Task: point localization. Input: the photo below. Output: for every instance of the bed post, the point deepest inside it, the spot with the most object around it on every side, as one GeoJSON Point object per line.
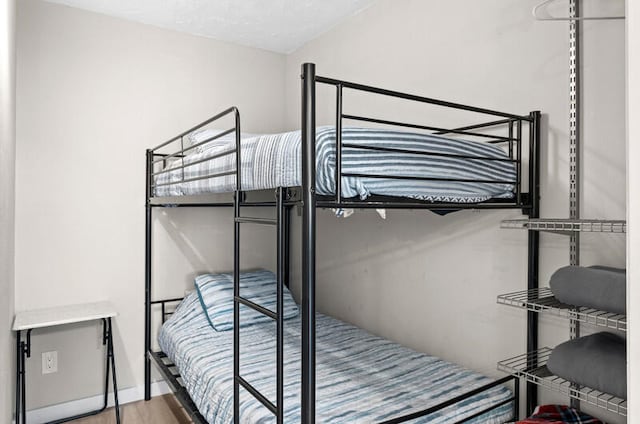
{"type": "Point", "coordinates": [147, 280]}
{"type": "Point", "coordinates": [237, 199]}
{"type": "Point", "coordinates": [533, 251]}
{"type": "Point", "coordinates": [308, 389]}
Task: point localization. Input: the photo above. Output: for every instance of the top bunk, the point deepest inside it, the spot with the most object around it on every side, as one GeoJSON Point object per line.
{"type": "Point", "coordinates": [490, 161]}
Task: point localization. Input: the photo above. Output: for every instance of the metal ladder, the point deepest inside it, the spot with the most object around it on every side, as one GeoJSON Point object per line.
{"type": "Point", "coordinates": [279, 222]}
{"type": "Point", "coordinates": [308, 333]}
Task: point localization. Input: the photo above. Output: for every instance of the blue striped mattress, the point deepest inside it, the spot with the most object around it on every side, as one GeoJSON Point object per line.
{"type": "Point", "coordinates": [271, 161]}
{"type": "Point", "coordinates": [361, 378]}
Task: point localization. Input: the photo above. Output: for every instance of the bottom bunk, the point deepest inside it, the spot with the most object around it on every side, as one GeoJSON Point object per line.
{"type": "Point", "coordinates": [361, 378]}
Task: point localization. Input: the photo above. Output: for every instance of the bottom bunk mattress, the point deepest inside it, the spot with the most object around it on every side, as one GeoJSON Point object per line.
{"type": "Point", "coordinates": [360, 378]}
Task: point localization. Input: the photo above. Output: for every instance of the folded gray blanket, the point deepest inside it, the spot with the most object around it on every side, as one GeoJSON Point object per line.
{"type": "Point", "coordinates": [597, 361]}
{"type": "Point", "coordinates": [596, 287]}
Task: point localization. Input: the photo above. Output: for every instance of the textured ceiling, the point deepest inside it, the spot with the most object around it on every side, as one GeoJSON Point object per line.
{"type": "Point", "coordinates": [277, 25]}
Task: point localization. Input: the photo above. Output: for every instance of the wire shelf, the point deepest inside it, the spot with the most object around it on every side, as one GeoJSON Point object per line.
{"type": "Point", "coordinates": [524, 366]}
{"type": "Point", "coordinates": [542, 300]}
{"type": "Point", "coordinates": [567, 225]}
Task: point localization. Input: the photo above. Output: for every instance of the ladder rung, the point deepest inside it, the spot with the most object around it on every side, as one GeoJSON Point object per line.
{"type": "Point", "coordinates": [263, 221]}
{"type": "Point", "coordinates": [256, 394]}
{"type": "Point", "coordinates": [256, 307]}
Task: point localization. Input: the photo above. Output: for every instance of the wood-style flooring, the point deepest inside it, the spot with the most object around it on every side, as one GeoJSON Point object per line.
{"type": "Point", "coordinates": [159, 410]}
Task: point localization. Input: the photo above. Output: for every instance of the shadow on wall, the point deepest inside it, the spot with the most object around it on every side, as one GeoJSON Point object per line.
{"type": "Point", "coordinates": [188, 238]}
{"type": "Point", "coordinates": [371, 239]}
{"type": "Point", "coordinates": [394, 276]}
{"type": "Point", "coordinates": [201, 240]}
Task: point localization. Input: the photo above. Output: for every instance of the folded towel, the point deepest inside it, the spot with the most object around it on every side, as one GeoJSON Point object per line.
{"type": "Point", "coordinates": [596, 287]}
{"type": "Point", "coordinates": [559, 414]}
{"type": "Point", "coordinates": [598, 361]}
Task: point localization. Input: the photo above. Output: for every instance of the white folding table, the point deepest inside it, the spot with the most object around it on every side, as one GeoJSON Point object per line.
{"type": "Point", "coordinates": [61, 315]}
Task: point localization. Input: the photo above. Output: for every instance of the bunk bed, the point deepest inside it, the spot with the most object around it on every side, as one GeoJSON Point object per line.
{"type": "Point", "coordinates": [474, 166]}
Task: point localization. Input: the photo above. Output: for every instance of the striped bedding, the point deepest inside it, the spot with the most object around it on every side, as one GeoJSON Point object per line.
{"type": "Point", "coordinates": [361, 378]}
{"type": "Point", "coordinates": [271, 161]}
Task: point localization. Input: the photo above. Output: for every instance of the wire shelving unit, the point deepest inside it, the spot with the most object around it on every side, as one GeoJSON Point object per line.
{"type": "Point", "coordinates": [532, 368]}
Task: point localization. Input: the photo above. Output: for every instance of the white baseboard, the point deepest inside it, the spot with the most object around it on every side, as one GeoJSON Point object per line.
{"type": "Point", "coordinates": [74, 407]}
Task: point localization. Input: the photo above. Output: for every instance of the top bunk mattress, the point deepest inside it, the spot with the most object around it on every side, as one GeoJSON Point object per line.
{"type": "Point", "coordinates": [360, 378]}
{"type": "Point", "coordinates": [449, 170]}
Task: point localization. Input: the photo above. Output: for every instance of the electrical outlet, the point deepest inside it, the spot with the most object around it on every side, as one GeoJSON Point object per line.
{"type": "Point", "coordinates": [50, 362]}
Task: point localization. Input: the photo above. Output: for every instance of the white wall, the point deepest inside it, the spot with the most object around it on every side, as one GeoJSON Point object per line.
{"type": "Point", "coordinates": [93, 93]}
{"type": "Point", "coordinates": [7, 204]}
{"type": "Point", "coordinates": [430, 282]}
{"type": "Point", "coordinates": [633, 210]}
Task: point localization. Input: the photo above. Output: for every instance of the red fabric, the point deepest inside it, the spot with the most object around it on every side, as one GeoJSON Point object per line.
{"type": "Point", "coordinates": [559, 414]}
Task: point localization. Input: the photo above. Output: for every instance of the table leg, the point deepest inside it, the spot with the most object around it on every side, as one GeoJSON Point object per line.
{"type": "Point", "coordinates": [25, 352]}
{"type": "Point", "coordinates": [107, 340]}
{"type": "Point", "coordinates": [111, 355]}
{"type": "Point", "coordinates": [105, 332]}
{"type": "Point", "coordinates": [18, 369]}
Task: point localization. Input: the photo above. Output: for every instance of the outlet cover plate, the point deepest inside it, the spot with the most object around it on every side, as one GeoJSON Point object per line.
{"type": "Point", "coordinates": [49, 362]}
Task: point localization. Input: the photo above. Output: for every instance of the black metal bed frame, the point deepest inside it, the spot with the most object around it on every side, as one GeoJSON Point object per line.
{"type": "Point", "coordinates": [306, 197]}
